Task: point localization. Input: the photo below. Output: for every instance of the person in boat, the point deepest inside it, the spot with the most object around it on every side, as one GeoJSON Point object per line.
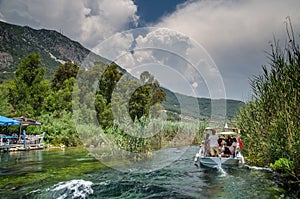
{"type": "Point", "coordinates": [226, 151]}
{"type": "Point", "coordinates": [213, 142]}
{"type": "Point", "coordinates": [228, 140]}
{"type": "Point", "coordinates": [233, 146]}
{"type": "Point", "coordinates": [206, 145]}
{"type": "Point", "coordinates": [223, 148]}
{"type": "Point", "coordinates": [221, 142]}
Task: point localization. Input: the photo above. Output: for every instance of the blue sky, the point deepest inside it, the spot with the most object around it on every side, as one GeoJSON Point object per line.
{"type": "Point", "coordinates": [218, 44]}
{"type": "Point", "coordinates": [151, 11]}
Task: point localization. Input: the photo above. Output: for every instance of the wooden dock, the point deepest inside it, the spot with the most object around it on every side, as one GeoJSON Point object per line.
{"type": "Point", "coordinates": [20, 147]}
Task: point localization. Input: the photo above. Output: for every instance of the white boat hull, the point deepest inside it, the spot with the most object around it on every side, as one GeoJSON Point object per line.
{"type": "Point", "coordinates": [219, 161]}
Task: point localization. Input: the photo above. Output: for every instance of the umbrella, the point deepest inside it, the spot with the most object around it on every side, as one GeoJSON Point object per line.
{"type": "Point", "coordinates": [5, 121]}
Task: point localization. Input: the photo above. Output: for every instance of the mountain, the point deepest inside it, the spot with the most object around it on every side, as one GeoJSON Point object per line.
{"type": "Point", "coordinates": [16, 42]}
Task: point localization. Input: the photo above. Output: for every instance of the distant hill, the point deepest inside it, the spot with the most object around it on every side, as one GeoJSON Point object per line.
{"type": "Point", "coordinates": [199, 107]}
{"type": "Point", "coordinates": [16, 42]}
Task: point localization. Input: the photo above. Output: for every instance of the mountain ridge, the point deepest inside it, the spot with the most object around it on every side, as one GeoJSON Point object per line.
{"type": "Point", "coordinates": [16, 42]}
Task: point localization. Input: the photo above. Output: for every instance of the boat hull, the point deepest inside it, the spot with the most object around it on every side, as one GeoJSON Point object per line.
{"type": "Point", "coordinates": [219, 161]}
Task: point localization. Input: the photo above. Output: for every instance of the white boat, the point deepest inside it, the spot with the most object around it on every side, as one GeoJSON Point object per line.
{"type": "Point", "coordinates": [203, 157]}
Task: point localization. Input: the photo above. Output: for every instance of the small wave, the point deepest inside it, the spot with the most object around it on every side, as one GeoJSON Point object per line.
{"type": "Point", "coordinates": [69, 189]}
{"type": "Point", "coordinates": [64, 190]}
{"type": "Point", "coordinates": [258, 168]}
{"type": "Point", "coordinates": [77, 188]}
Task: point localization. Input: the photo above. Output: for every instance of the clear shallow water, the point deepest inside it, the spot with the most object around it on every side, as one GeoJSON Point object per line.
{"type": "Point", "coordinates": [72, 173]}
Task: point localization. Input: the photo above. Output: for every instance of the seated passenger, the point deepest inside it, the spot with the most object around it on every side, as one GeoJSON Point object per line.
{"type": "Point", "coordinates": [228, 140]}
{"type": "Point", "coordinates": [221, 143]}
{"type": "Point", "coordinates": [233, 146]}
{"type": "Point", "coordinates": [226, 152]}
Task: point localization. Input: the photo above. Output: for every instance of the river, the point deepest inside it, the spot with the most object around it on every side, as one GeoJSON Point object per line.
{"type": "Point", "coordinates": [73, 173]}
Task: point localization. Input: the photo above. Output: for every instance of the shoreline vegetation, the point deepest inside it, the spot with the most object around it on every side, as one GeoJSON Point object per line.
{"type": "Point", "coordinates": [84, 112]}
{"type": "Point", "coordinates": [271, 119]}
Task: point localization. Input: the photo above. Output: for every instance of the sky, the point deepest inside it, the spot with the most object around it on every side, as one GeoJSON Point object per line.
{"type": "Point", "coordinates": [205, 48]}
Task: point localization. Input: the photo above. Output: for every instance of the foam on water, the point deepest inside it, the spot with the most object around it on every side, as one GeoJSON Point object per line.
{"type": "Point", "coordinates": [221, 170]}
{"type": "Point", "coordinates": [258, 168]}
{"type": "Point", "coordinates": [73, 189]}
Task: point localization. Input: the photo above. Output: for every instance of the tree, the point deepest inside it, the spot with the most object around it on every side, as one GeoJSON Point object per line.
{"type": "Point", "coordinates": [62, 88]}
{"type": "Point", "coordinates": [108, 81]}
{"type": "Point", "coordinates": [146, 97]}
{"type": "Point", "coordinates": [29, 88]}
{"type": "Point", "coordinates": [5, 106]}
{"type": "Point", "coordinates": [63, 73]}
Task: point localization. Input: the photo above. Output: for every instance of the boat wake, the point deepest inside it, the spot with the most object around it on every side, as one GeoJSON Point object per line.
{"type": "Point", "coordinates": [221, 171]}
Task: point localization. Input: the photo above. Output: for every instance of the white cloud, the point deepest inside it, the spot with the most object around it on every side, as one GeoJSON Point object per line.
{"type": "Point", "coordinates": [86, 21]}
{"type": "Point", "coordinates": [179, 63]}
{"type": "Point", "coordinates": [235, 33]}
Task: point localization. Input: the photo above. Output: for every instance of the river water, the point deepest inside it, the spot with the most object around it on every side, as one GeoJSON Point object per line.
{"type": "Point", "coordinates": [73, 173]}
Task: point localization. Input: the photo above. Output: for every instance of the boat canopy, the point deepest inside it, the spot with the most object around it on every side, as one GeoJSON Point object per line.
{"type": "Point", "coordinates": [227, 133]}
{"type": "Point", "coordinates": [5, 121]}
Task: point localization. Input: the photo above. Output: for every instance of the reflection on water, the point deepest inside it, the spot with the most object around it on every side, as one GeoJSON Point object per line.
{"type": "Point", "coordinates": [20, 162]}
{"type": "Point", "coordinates": [74, 174]}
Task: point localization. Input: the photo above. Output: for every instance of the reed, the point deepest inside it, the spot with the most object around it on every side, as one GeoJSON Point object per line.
{"type": "Point", "coordinates": [271, 119]}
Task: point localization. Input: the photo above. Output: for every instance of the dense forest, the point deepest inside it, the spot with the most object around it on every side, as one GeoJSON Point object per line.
{"type": "Point", "coordinates": [271, 120]}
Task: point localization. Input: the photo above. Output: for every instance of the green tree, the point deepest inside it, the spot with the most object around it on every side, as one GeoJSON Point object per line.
{"type": "Point", "coordinates": [61, 99]}
{"type": "Point", "coordinates": [146, 98]}
{"type": "Point", "coordinates": [63, 73]}
{"type": "Point", "coordinates": [108, 81]}
{"type": "Point", "coordinates": [5, 106]}
{"type": "Point", "coordinates": [29, 88]}
{"type": "Point", "coordinates": [62, 87]}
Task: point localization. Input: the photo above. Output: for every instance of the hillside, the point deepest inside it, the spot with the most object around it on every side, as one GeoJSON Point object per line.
{"type": "Point", "coordinates": [199, 107]}
{"type": "Point", "coordinates": [16, 42]}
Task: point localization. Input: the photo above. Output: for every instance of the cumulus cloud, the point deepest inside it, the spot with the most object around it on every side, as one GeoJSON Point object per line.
{"type": "Point", "coordinates": [235, 33]}
{"type": "Point", "coordinates": [178, 63]}
{"type": "Point", "coordinates": [232, 34]}
{"type": "Point", "coordinates": [86, 21]}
